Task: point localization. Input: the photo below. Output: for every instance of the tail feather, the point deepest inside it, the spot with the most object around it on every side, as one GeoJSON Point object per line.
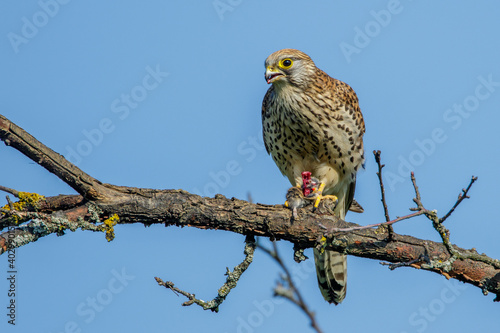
{"type": "Point", "coordinates": [331, 270]}
{"type": "Point", "coordinates": [356, 207]}
{"type": "Point", "coordinates": [331, 266]}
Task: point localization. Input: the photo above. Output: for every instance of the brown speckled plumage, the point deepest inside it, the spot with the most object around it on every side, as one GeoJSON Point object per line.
{"type": "Point", "coordinates": [312, 122]}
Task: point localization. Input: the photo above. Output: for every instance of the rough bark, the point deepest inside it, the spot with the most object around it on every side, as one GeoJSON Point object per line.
{"type": "Point", "coordinates": [97, 203]}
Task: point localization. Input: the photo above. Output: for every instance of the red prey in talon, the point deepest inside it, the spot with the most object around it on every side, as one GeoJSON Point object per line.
{"type": "Point", "coordinates": [309, 184]}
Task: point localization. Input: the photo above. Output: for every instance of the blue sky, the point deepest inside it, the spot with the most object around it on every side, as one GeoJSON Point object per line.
{"type": "Point", "coordinates": [168, 94]}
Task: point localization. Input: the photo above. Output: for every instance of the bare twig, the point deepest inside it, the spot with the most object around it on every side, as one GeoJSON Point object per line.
{"type": "Point", "coordinates": [417, 200]}
{"type": "Point", "coordinates": [445, 233]}
{"type": "Point", "coordinates": [9, 190]}
{"type": "Point", "coordinates": [390, 230]}
{"type": "Point", "coordinates": [249, 197]}
{"type": "Point", "coordinates": [177, 291]}
{"type": "Point", "coordinates": [392, 267]}
{"type": "Point", "coordinates": [461, 197]}
{"type": "Point", "coordinates": [291, 293]}
{"type": "Point", "coordinates": [370, 226]}
{"type": "Point", "coordinates": [10, 203]}
{"type": "Point", "coordinates": [231, 281]}
{"type": "Point", "coordinates": [431, 215]}
{"type": "Point", "coordinates": [377, 154]}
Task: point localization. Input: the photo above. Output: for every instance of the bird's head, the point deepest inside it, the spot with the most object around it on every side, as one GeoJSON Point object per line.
{"type": "Point", "coordinates": [289, 66]}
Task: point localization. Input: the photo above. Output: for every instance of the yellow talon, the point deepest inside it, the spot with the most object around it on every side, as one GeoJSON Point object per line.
{"type": "Point", "coordinates": [320, 196]}
{"type": "Point", "coordinates": [286, 203]}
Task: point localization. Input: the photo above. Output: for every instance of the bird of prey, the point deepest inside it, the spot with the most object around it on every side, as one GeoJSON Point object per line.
{"type": "Point", "coordinates": [312, 123]}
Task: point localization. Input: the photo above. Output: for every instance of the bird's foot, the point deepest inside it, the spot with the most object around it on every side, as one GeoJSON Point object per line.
{"type": "Point", "coordinates": [318, 195]}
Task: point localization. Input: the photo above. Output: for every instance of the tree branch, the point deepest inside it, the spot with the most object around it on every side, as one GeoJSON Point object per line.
{"type": "Point", "coordinates": [10, 190]}
{"type": "Point", "coordinates": [377, 154]}
{"type": "Point", "coordinates": [98, 202]}
{"type": "Point", "coordinates": [231, 281]}
{"type": "Point", "coordinates": [461, 197]}
{"type": "Point", "coordinates": [291, 293]}
{"type": "Point", "coordinates": [81, 182]}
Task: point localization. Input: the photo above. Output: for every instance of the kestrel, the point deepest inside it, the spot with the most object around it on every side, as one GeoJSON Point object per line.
{"type": "Point", "coordinates": [312, 122]}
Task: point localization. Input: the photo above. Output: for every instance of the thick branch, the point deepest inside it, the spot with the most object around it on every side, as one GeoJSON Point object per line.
{"type": "Point", "coordinates": [81, 182]}
{"type": "Point", "coordinates": [179, 208]}
{"type": "Point", "coordinates": [10, 190]}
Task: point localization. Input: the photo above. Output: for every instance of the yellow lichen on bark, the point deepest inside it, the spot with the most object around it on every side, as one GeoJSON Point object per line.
{"type": "Point", "coordinates": [109, 224]}
{"type": "Point", "coordinates": [26, 200]}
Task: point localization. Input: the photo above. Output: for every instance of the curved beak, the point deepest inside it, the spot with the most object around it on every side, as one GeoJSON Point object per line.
{"type": "Point", "coordinates": [272, 74]}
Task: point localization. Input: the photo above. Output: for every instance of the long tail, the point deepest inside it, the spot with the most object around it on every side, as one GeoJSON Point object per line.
{"type": "Point", "coordinates": [331, 270]}
{"type": "Point", "coordinates": [331, 266]}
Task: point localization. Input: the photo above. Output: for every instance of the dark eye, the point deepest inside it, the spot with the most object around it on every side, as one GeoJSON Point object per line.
{"type": "Point", "coordinates": [286, 63]}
